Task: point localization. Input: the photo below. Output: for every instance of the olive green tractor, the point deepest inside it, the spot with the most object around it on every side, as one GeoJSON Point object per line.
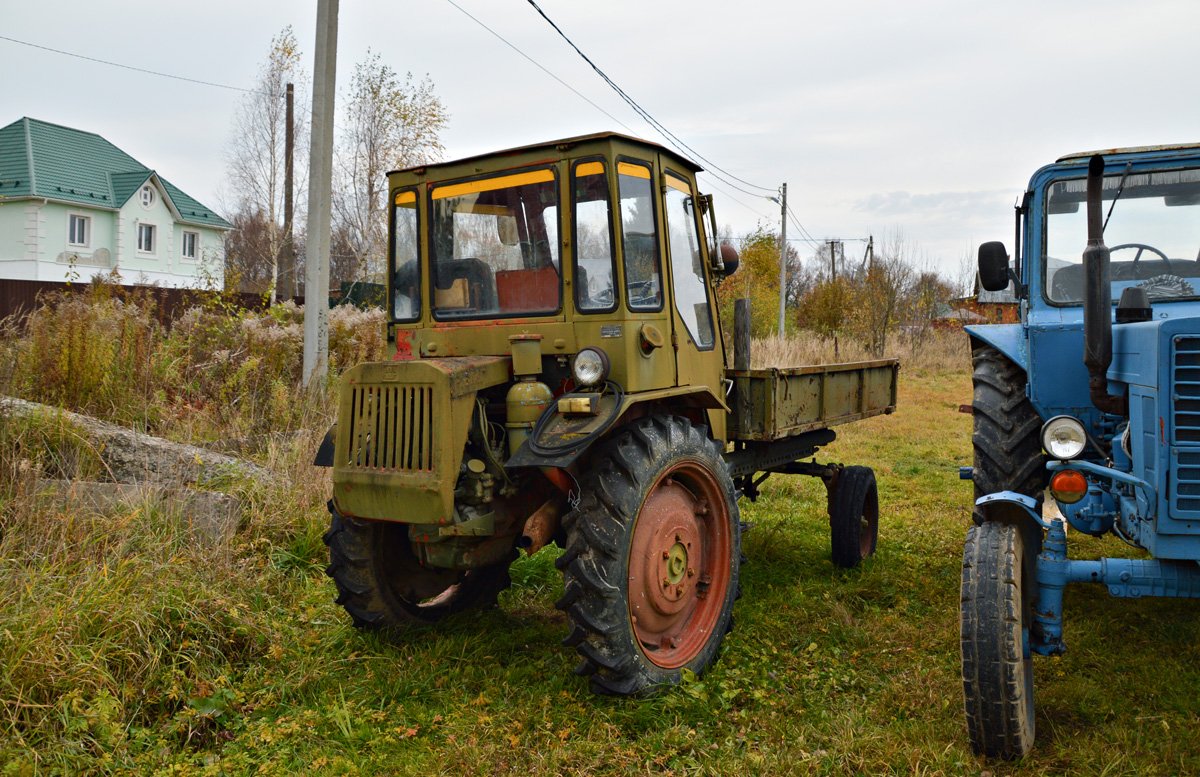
{"type": "Point", "coordinates": [557, 375]}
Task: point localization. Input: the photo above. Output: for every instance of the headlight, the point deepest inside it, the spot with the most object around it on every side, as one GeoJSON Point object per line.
{"type": "Point", "coordinates": [1063, 437]}
{"type": "Point", "coordinates": [590, 367]}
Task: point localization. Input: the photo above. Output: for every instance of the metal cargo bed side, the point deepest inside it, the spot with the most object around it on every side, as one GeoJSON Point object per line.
{"type": "Point", "coordinates": [776, 403]}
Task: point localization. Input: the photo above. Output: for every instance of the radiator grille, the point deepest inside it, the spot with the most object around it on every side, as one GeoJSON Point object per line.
{"type": "Point", "coordinates": [1185, 378]}
{"type": "Point", "coordinates": [391, 428]}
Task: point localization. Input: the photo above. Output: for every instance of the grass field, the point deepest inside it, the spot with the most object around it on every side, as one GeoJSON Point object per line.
{"type": "Point", "coordinates": [126, 648]}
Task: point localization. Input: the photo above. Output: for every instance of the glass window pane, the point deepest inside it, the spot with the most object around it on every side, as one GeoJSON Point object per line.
{"type": "Point", "coordinates": [639, 238]}
{"type": "Point", "coordinates": [406, 259]}
{"type": "Point", "coordinates": [687, 270]}
{"type": "Point", "coordinates": [1153, 232]}
{"type": "Point", "coordinates": [594, 274]}
{"type": "Point", "coordinates": [494, 246]}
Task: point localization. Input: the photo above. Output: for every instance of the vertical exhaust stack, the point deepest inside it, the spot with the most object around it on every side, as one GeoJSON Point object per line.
{"type": "Point", "coordinates": [1097, 301]}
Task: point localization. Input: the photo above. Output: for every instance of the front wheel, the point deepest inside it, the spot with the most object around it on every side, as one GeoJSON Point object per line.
{"type": "Point", "coordinates": [382, 585]}
{"type": "Point", "coordinates": [996, 612]}
{"type": "Point", "coordinates": [652, 561]}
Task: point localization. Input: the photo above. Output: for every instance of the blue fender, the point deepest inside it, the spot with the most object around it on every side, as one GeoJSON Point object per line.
{"type": "Point", "coordinates": [1008, 339]}
{"type": "Point", "coordinates": [1009, 507]}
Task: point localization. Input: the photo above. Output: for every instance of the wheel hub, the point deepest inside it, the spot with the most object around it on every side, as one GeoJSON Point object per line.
{"type": "Point", "coordinates": [675, 557]}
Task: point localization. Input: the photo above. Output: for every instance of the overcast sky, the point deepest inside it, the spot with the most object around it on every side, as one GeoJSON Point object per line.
{"type": "Point", "coordinates": [924, 115]}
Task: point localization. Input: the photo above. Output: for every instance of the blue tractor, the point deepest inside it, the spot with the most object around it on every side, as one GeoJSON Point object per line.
{"type": "Point", "coordinates": [1099, 404]}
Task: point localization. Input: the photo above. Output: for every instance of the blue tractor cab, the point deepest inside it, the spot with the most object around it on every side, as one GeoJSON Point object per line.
{"type": "Point", "coordinates": [1094, 396]}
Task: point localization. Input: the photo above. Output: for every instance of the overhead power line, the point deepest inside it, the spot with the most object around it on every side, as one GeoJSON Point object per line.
{"type": "Point", "coordinates": [671, 138]}
{"type": "Point", "coordinates": [127, 67]}
{"type": "Point", "coordinates": [538, 64]}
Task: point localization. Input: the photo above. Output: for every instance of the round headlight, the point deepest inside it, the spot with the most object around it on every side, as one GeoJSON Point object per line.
{"type": "Point", "coordinates": [590, 366]}
{"type": "Point", "coordinates": [1063, 437]}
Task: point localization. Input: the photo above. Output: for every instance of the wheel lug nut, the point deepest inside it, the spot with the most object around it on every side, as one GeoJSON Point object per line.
{"type": "Point", "coordinates": [666, 554]}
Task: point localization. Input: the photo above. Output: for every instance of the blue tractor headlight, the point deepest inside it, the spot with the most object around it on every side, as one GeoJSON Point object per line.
{"type": "Point", "coordinates": [1064, 437]}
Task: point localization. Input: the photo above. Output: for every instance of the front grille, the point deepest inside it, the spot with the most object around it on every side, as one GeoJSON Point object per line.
{"type": "Point", "coordinates": [1185, 379]}
{"type": "Point", "coordinates": [391, 427]}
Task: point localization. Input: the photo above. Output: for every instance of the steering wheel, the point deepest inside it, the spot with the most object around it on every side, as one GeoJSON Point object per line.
{"type": "Point", "coordinates": [1141, 247]}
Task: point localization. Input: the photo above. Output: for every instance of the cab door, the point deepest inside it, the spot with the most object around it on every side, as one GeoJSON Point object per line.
{"type": "Point", "coordinates": [699, 357]}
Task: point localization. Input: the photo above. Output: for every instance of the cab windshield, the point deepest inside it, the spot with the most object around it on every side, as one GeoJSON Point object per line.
{"type": "Point", "coordinates": [494, 247]}
{"type": "Point", "coordinates": [1153, 233]}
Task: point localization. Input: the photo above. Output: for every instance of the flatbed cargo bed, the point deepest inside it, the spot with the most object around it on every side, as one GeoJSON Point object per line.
{"type": "Point", "coordinates": [777, 403]}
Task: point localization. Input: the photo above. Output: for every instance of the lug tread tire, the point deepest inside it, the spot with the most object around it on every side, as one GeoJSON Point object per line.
{"type": "Point", "coordinates": [595, 563]}
{"type": "Point", "coordinates": [361, 574]}
{"type": "Point", "coordinates": [997, 678]}
{"type": "Point", "coordinates": [1006, 438]}
{"type": "Point", "coordinates": [856, 498]}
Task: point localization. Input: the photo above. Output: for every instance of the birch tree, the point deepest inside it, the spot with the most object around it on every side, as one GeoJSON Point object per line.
{"type": "Point", "coordinates": [389, 123]}
{"type": "Point", "coordinates": [255, 152]}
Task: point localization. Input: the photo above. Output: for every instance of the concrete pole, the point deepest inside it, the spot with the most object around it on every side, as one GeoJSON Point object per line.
{"type": "Point", "coordinates": [320, 193]}
{"type": "Point", "coordinates": [782, 257]}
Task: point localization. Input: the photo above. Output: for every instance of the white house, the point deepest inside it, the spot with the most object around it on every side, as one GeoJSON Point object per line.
{"type": "Point", "coordinates": [73, 205]}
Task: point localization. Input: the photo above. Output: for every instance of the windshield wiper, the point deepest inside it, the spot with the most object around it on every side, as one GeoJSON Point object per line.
{"type": "Point", "coordinates": [1120, 188]}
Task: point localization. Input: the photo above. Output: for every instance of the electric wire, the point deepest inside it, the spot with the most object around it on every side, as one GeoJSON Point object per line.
{"type": "Point", "coordinates": [127, 67]}
{"type": "Point", "coordinates": [539, 65]}
{"type": "Point", "coordinates": [671, 138]}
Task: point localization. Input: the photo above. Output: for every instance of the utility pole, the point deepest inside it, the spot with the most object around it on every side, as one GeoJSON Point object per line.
{"type": "Point", "coordinates": [782, 256]}
{"type": "Point", "coordinates": [870, 252]}
{"type": "Point", "coordinates": [833, 244]}
{"type": "Point", "coordinates": [286, 262]}
{"type": "Point", "coordinates": [320, 193]}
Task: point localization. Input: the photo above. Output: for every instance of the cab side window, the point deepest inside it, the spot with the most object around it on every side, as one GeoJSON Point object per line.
{"type": "Point", "coordinates": [595, 273]}
{"type": "Point", "coordinates": [687, 266]}
{"type": "Point", "coordinates": [639, 237]}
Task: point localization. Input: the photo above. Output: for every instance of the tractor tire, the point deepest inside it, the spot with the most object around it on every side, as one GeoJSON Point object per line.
{"type": "Point", "coordinates": [854, 517]}
{"type": "Point", "coordinates": [995, 617]}
{"type": "Point", "coordinates": [1007, 440]}
{"type": "Point", "coordinates": [382, 585]}
{"type": "Point", "coordinates": [652, 558]}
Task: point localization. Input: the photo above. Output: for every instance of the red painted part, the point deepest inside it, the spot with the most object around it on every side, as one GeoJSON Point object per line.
{"type": "Point", "coordinates": [679, 565]}
{"type": "Point", "coordinates": [560, 478]}
{"type": "Point", "coordinates": [403, 345]}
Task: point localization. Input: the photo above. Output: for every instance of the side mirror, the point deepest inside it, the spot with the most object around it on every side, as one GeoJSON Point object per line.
{"type": "Point", "coordinates": [729, 258]}
{"type": "Point", "coordinates": [993, 266]}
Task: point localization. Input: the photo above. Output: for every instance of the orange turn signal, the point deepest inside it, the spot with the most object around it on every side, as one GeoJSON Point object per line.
{"type": "Point", "coordinates": [1068, 486]}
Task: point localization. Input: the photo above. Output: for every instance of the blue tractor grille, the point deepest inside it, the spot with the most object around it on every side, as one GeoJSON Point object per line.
{"type": "Point", "coordinates": [1185, 425]}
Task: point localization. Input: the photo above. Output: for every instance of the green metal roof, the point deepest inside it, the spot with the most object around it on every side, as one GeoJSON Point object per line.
{"type": "Point", "coordinates": [39, 159]}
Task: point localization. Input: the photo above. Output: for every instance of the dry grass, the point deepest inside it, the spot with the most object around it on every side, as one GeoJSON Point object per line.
{"type": "Point", "coordinates": [942, 351]}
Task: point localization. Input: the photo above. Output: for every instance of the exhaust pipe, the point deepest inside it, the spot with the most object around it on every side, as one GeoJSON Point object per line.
{"type": "Point", "coordinates": [1097, 301]}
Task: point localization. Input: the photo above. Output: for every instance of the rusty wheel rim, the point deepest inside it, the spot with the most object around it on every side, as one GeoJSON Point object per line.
{"type": "Point", "coordinates": [679, 565]}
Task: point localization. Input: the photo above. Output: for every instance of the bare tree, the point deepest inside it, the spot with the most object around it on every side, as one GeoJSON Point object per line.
{"type": "Point", "coordinates": [255, 152]}
{"type": "Point", "coordinates": [389, 124]}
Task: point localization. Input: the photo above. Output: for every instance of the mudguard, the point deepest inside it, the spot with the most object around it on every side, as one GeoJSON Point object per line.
{"type": "Point", "coordinates": [1008, 339]}
{"type": "Point", "coordinates": [562, 428]}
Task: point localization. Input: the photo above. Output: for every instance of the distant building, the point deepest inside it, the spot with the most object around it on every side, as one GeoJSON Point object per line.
{"type": "Point", "coordinates": [73, 205]}
{"type": "Point", "coordinates": [982, 307]}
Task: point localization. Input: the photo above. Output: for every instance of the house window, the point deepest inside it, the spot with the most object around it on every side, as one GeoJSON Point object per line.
{"type": "Point", "coordinates": [190, 241]}
{"type": "Point", "coordinates": [79, 230]}
{"type": "Point", "coordinates": [146, 238]}
{"type": "Point", "coordinates": [146, 196]}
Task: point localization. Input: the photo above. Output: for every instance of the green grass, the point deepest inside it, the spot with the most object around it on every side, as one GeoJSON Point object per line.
{"type": "Point", "coordinates": [127, 649]}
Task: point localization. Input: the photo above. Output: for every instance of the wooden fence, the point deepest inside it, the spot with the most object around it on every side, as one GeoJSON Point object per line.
{"type": "Point", "coordinates": [18, 297]}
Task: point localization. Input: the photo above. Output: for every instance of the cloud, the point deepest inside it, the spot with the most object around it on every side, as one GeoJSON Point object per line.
{"type": "Point", "coordinates": [941, 204]}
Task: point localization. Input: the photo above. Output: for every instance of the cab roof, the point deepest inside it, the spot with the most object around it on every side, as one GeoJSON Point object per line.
{"type": "Point", "coordinates": [1177, 147]}
{"type": "Point", "coordinates": [558, 146]}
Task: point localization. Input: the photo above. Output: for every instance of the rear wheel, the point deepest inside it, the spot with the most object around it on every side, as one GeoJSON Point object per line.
{"type": "Point", "coordinates": [854, 517]}
{"type": "Point", "coordinates": [995, 616]}
{"type": "Point", "coordinates": [381, 583]}
{"type": "Point", "coordinates": [653, 555]}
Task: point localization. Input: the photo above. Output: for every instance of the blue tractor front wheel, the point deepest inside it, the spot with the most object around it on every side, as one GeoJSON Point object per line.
{"type": "Point", "coordinates": [995, 616]}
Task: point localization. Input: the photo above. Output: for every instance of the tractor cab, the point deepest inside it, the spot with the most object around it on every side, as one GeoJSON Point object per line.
{"type": "Point", "coordinates": [600, 239]}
